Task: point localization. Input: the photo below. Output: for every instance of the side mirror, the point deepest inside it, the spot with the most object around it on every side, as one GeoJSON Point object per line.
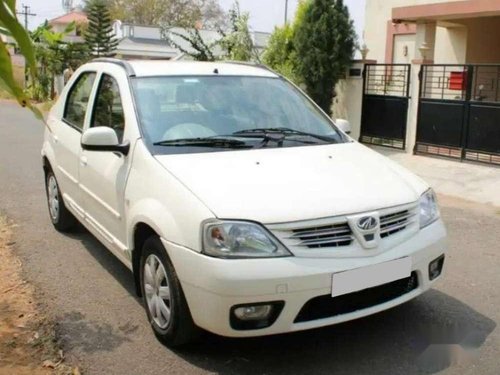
{"type": "Point", "coordinates": [343, 125]}
{"type": "Point", "coordinates": [102, 138]}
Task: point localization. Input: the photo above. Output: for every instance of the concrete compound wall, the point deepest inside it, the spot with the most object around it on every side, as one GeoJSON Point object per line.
{"type": "Point", "coordinates": [473, 40]}
{"type": "Point", "coordinates": [348, 102]}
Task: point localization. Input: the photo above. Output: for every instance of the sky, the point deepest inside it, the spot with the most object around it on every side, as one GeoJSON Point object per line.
{"type": "Point", "coordinates": [264, 14]}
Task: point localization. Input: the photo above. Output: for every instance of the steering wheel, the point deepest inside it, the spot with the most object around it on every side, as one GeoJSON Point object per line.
{"type": "Point", "coordinates": [188, 130]}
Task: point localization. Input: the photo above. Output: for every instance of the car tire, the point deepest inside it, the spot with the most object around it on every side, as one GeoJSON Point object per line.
{"type": "Point", "coordinates": [61, 218]}
{"type": "Point", "coordinates": [164, 301]}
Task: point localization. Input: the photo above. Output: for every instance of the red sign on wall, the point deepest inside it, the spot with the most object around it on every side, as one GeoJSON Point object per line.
{"type": "Point", "coordinates": [457, 80]}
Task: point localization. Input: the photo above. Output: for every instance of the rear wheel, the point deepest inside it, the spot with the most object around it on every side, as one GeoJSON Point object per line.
{"type": "Point", "coordinates": [164, 301]}
{"type": "Point", "coordinates": [61, 218]}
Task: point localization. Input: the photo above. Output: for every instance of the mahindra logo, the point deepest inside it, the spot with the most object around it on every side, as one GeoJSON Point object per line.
{"type": "Point", "coordinates": [367, 223]}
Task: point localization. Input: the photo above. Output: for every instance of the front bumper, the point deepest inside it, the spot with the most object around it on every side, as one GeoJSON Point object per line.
{"type": "Point", "coordinates": [212, 286]}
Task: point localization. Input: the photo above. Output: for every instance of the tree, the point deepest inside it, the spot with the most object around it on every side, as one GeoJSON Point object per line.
{"type": "Point", "coordinates": [53, 56]}
{"type": "Point", "coordinates": [233, 43]}
{"type": "Point", "coordinates": [166, 13]}
{"type": "Point", "coordinates": [280, 53]}
{"type": "Point", "coordinates": [49, 56]}
{"type": "Point", "coordinates": [200, 50]}
{"type": "Point", "coordinates": [213, 16]}
{"type": "Point", "coordinates": [99, 35]}
{"type": "Point", "coordinates": [237, 43]}
{"type": "Point", "coordinates": [325, 42]}
{"type": "Point", "coordinates": [10, 26]}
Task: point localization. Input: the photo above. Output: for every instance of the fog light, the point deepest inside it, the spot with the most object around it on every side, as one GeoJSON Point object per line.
{"type": "Point", "coordinates": [253, 312]}
{"type": "Point", "coordinates": [436, 267]}
{"type": "Point", "coordinates": [256, 315]}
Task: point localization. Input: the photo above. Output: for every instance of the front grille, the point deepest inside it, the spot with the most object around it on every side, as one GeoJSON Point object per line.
{"type": "Point", "coordinates": [327, 306]}
{"type": "Point", "coordinates": [395, 222]}
{"type": "Point", "coordinates": [335, 235]}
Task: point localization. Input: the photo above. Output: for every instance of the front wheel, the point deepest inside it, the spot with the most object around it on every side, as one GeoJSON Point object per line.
{"type": "Point", "coordinates": [61, 218]}
{"type": "Point", "coordinates": [164, 300]}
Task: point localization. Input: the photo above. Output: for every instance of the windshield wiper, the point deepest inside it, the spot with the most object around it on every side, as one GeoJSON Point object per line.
{"type": "Point", "coordinates": [204, 142]}
{"type": "Point", "coordinates": [264, 132]}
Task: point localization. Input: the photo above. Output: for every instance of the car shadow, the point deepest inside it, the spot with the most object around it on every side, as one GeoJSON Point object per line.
{"type": "Point", "coordinates": [75, 331]}
{"type": "Point", "coordinates": [106, 259]}
{"type": "Point", "coordinates": [424, 336]}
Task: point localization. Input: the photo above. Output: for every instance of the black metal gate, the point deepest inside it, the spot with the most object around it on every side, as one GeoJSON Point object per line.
{"type": "Point", "coordinates": [386, 90]}
{"type": "Point", "coordinates": [459, 112]}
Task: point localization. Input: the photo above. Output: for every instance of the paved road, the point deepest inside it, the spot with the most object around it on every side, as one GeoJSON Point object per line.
{"type": "Point", "coordinates": [102, 323]}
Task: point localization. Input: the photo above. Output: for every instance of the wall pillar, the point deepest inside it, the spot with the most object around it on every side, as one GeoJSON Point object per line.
{"type": "Point", "coordinates": [411, 125]}
{"type": "Point", "coordinates": [425, 40]}
{"type": "Point", "coordinates": [348, 103]}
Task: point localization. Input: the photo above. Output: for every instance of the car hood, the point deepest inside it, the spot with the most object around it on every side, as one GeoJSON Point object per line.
{"type": "Point", "coordinates": [292, 184]}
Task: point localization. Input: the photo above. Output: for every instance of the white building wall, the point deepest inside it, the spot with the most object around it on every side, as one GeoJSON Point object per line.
{"type": "Point", "coordinates": [404, 49]}
{"type": "Point", "coordinates": [378, 12]}
{"type": "Point", "coordinates": [146, 32]}
{"type": "Point", "coordinates": [451, 45]}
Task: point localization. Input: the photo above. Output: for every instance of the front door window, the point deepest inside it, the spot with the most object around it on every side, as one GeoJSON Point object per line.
{"type": "Point", "coordinates": [108, 108]}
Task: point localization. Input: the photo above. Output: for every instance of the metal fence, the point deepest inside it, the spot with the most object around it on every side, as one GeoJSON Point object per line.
{"type": "Point", "coordinates": [459, 112]}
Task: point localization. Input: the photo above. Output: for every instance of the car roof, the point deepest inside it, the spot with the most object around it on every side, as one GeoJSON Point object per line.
{"type": "Point", "coordinates": [152, 68]}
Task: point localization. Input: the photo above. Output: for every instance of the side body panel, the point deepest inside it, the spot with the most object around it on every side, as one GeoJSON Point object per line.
{"type": "Point", "coordinates": [157, 198]}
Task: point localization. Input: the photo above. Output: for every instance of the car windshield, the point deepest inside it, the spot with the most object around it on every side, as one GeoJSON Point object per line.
{"type": "Point", "coordinates": [204, 111]}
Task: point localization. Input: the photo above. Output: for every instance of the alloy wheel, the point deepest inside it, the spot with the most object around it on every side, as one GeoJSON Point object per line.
{"type": "Point", "coordinates": [157, 291]}
{"type": "Point", "coordinates": [53, 196]}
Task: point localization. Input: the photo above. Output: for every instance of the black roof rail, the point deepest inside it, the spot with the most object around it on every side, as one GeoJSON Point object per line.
{"type": "Point", "coordinates": [123, 63]}
{"type": "Point", "coordinates": [253, 64]}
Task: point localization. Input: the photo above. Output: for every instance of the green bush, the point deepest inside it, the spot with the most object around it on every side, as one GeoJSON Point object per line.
{"type": "Point", "coordinates": [280, 53]}
{"type": "Point", "coordinates": [325, 42]}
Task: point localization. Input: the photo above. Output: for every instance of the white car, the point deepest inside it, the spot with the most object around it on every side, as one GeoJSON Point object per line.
{"type": "Point", "coordinates": [238, 205]}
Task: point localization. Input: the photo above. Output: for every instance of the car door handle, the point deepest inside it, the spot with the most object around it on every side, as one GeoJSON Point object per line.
{"type": "Point", "coordinates": [83, 161]}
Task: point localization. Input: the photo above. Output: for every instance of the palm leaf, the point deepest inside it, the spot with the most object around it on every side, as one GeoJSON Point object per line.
{"type": "Point", "coordinates": [10, 26]}
{"type": "Point", "coordinates": [9, 20]}
{"type": "Point", "coordinates": [8, 83]}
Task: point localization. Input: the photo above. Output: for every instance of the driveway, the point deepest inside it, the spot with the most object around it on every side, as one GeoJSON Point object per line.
{"type": "Point", "coordinates": [102, 323]}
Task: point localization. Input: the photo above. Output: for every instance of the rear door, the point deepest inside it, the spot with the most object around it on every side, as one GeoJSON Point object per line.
{"type": "Point", "coordinates": [67, 133]}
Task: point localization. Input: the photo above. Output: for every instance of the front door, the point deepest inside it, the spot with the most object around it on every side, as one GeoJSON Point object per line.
{"type": "Point", "coordinates": [103, 174]}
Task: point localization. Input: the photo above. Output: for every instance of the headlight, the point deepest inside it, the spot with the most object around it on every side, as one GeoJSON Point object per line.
{"type": "Point", "coordinates": [239, 239]}
{"type": "Point", "coordinates": [429, 211]}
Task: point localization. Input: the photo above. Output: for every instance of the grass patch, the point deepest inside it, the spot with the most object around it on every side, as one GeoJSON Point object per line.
{"type": "Point", "coordinates": [28, 342]}
{"type": "Point", "coordinates": [18, 77]}
{"type": "Point", "coordinates": [18, 74]}
{"type": "Point", "coordinates": [45, 107]}
{"type": "Point", "coordinates": [4, 95]}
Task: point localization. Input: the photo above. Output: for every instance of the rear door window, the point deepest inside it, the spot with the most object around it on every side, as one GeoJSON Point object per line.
{"type": "Point", "coordinates": [78, 100]}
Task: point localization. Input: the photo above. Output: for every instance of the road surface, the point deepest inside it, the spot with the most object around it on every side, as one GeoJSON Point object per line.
{"type": "Point", "coordinates": [103, 326]}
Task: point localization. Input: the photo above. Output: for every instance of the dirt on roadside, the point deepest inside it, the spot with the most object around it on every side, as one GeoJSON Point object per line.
{"type": "Point", "coordinates": [28, 343]}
